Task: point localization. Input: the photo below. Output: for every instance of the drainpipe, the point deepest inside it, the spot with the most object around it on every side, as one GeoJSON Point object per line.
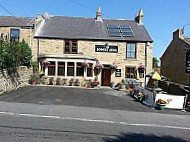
{"type": "Point", "coordinates": [146, 44]}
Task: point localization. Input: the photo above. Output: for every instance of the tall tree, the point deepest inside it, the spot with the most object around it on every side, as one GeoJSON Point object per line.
{"type": "Point", "coordinates": [155, 62]}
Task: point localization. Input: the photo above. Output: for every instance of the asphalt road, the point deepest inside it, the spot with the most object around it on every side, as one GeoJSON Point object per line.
{"type": "Point", "coordinates": [101, 98]}
{"type": "Point", "coordinates": [53, 123]}
{"type": "Point", "coordinates": [54, 114]}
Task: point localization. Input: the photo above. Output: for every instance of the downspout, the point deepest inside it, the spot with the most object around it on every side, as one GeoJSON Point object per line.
{"type": "Point", "coordinates": [145, 63]}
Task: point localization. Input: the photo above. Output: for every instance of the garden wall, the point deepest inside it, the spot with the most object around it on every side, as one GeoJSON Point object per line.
{"type": "Point", "coordinates": [15, 80]}
{"type": "Point", "coordinates": [175, 88]}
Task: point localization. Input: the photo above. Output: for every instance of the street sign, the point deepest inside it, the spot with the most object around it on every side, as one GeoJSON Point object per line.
{"type": "Point", "coordinates": [118, 73]}
{"type": "Point", "coordinates": [187, 68]}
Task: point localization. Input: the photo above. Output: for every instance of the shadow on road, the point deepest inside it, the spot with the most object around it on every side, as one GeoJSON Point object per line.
{"type": "Point", "coordinates": [142, 138]}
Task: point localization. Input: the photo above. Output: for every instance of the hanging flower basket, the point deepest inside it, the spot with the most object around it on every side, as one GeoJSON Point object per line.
{"type": "Point", "coordinates": [45, 63]}
{"type": "Point", "coordinates": [98, 66]}
{"type": "Point", "coordinates": [85, 64]}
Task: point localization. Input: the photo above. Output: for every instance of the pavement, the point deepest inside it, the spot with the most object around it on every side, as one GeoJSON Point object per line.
{"type": "Point", "coordinates": [56, 114]}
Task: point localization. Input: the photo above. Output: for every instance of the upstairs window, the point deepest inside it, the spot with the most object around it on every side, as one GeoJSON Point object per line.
{"type": "Point", "coordinates": [131, 51]}
{"type": "Point", "coordinates": [14, 34]}
{"type": "Point", "coordinates": [71, 47]}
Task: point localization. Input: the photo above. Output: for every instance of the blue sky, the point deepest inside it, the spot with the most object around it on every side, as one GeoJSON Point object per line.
{"type": "Point", "coordinates": [162, 17]}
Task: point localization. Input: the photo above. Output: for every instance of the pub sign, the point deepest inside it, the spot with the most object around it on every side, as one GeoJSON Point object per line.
{"type": "Point", "coordinates": [104, 48]}
{"type": "Point", "coordinates": [187, 68]}
{"type": "Point", "coordinates": [118, 73]}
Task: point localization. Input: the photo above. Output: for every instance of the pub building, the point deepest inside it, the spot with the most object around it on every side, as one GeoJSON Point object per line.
{"type": "Point", "coordinates": [81, 48]}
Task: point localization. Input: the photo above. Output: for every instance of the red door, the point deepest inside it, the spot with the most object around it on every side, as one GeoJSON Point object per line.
{"type": "Point", "coordinates": [106, 77]}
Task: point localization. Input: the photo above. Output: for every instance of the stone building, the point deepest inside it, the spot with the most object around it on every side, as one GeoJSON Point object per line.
{"type": "Point", "coordinates": [85, 48]}
{"type": "Point", "coordinates": [173, 60]}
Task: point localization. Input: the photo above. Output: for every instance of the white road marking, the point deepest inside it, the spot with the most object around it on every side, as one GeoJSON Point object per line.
{"type": "Point", "coordinates": [94, 120]}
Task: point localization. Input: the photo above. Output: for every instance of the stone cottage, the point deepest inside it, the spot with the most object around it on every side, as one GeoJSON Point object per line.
{"type": "Point", "coordinates": [173, 61]}
{"type": "Point", "coordinates": [85, 48]}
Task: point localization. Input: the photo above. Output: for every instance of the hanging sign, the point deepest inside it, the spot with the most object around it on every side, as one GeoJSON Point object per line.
{"type": "Point", "coordinates": [118, 73]}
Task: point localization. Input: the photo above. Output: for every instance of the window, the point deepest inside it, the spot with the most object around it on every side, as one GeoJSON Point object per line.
{"type": "Point", "coordinates": [90, 70]}
{"type": "Point", "coordinates": [14, 34]}
{"type": "Point", "coordinates": [131, 51]}
{"type": "Point", "coordinates": [51, 69]}
{"type": "Point", "coordinates": [141, 72]}
{"type": "Point", "coordinates": [130, 72]}
{"type": "Point", "coordinates": [67, 47]}
{"type": "Point", "coordinates": [71, 47]}
{"type": "Point", "coordinates": [61, 68]}
{"type": "Point", "coordinates": [80, 69]}
{"type": "Point", "coordinates": [70, 69]}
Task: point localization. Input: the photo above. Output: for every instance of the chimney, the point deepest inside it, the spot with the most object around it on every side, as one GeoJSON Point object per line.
{"type": "Point", "coordinates": [39, 19]}
{"type": "Point", "coordinates": [178, 34]}
{"type": "Point", "coordinates": [98, 14]}
{"type": "Point", "coordinates": [139, 18]}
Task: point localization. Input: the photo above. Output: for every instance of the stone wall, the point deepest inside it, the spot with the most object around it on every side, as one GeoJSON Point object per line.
{"type": "Point", "coordinates": [173, 62]}
{"type": "Point", "coordinates": [16, 80]}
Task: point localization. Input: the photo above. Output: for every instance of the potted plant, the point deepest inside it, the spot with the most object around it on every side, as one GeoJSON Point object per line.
{"type": "Point", "coordinates": [33, 79]}
{"type": "Point", "coordinates": [95, 83]}
{"type": "Point", "coordinates": [160, 104]}
{"type": "Point", "coordinates": [188, 106]}
{"type": "Point", "coordinates": [140, 97]}
{"type": "Point", "coordinates": [122, 85]}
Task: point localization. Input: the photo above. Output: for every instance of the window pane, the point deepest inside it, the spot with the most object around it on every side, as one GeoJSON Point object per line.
{"type": "Point", "coordinates": [80, 69]}
{"type": "Point", "coordinates": [14, 34]}
{"type": "Point", "coordinates": [61, 68]}
{"type": "Point", "coordinates": [130, 72]}
{"type": "Point", "coordinates": [74, 47]}
{"type": "Point", "coordinates": [131, 51]}
{"type": "Point", "coordinates": [51, 69]}
{"type": "Point", "coordinates": [67, 46]}
{"type": "Point", "coordinates": [70, 69]}
{"type": "Point", "coordinates": [90, 70]}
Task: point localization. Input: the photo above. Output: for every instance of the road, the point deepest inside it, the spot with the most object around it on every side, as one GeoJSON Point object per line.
{"type": "Point", "coordinates": [24, 122]}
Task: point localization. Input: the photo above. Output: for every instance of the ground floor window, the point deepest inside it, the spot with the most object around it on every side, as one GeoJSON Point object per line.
{"type": "Point", "coordinates": [130, 72]}
{"type": "Point", "coordinates": [51, 69]}
{"type": "Point", "coordinates": [70, 69]}
{"type": "Point", "coordinates": [61, 68]}
{"type": "Point", "coordinates": [141, 72]}
{"type": "Point", "coordinates": [80, 69]}
{"type": "Point", "coordinates": [90, 70]}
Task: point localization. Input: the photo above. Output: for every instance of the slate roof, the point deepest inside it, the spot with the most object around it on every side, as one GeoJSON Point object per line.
{"type": "Point", "coordinates": [187, 39]}
{"type": "Point", "coordinates": [89, 28]}
{"type": "Point", "coordinates": [11, 21]}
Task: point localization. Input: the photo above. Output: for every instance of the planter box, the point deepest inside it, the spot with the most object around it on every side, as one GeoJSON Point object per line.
{"type": "Point", "coordinates": [160, 106]}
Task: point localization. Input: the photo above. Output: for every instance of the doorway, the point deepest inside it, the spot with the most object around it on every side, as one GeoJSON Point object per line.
{"type": "Point", "coordinates": [106, 77]}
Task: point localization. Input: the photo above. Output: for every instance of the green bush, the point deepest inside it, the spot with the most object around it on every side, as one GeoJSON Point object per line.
{"type": "Point", "coordinates": [14, 54]}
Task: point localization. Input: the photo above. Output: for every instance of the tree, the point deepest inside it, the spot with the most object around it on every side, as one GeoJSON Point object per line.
{"type": "Point", "coordinates": [14, 54]}
{"type": "Point", "coordinates": [155, 62]}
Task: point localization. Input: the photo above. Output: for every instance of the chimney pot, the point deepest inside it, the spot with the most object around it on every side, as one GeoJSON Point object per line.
{"type": "Point", "coordinates": [98, 13]}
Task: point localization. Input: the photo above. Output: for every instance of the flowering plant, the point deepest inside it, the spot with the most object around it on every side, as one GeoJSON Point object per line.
{"type": "Point", "coordinates": [45, 63]}
{"type": "Point", "coordinates": [85, 64]}
{"type": "Point", "coordinates": [160, 101]}
{"type": "Point", "coordinates": [98, 66]}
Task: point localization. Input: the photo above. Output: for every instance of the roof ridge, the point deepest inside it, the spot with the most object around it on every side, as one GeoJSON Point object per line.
{"type": "Point", "coordinates": [92, 17]}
